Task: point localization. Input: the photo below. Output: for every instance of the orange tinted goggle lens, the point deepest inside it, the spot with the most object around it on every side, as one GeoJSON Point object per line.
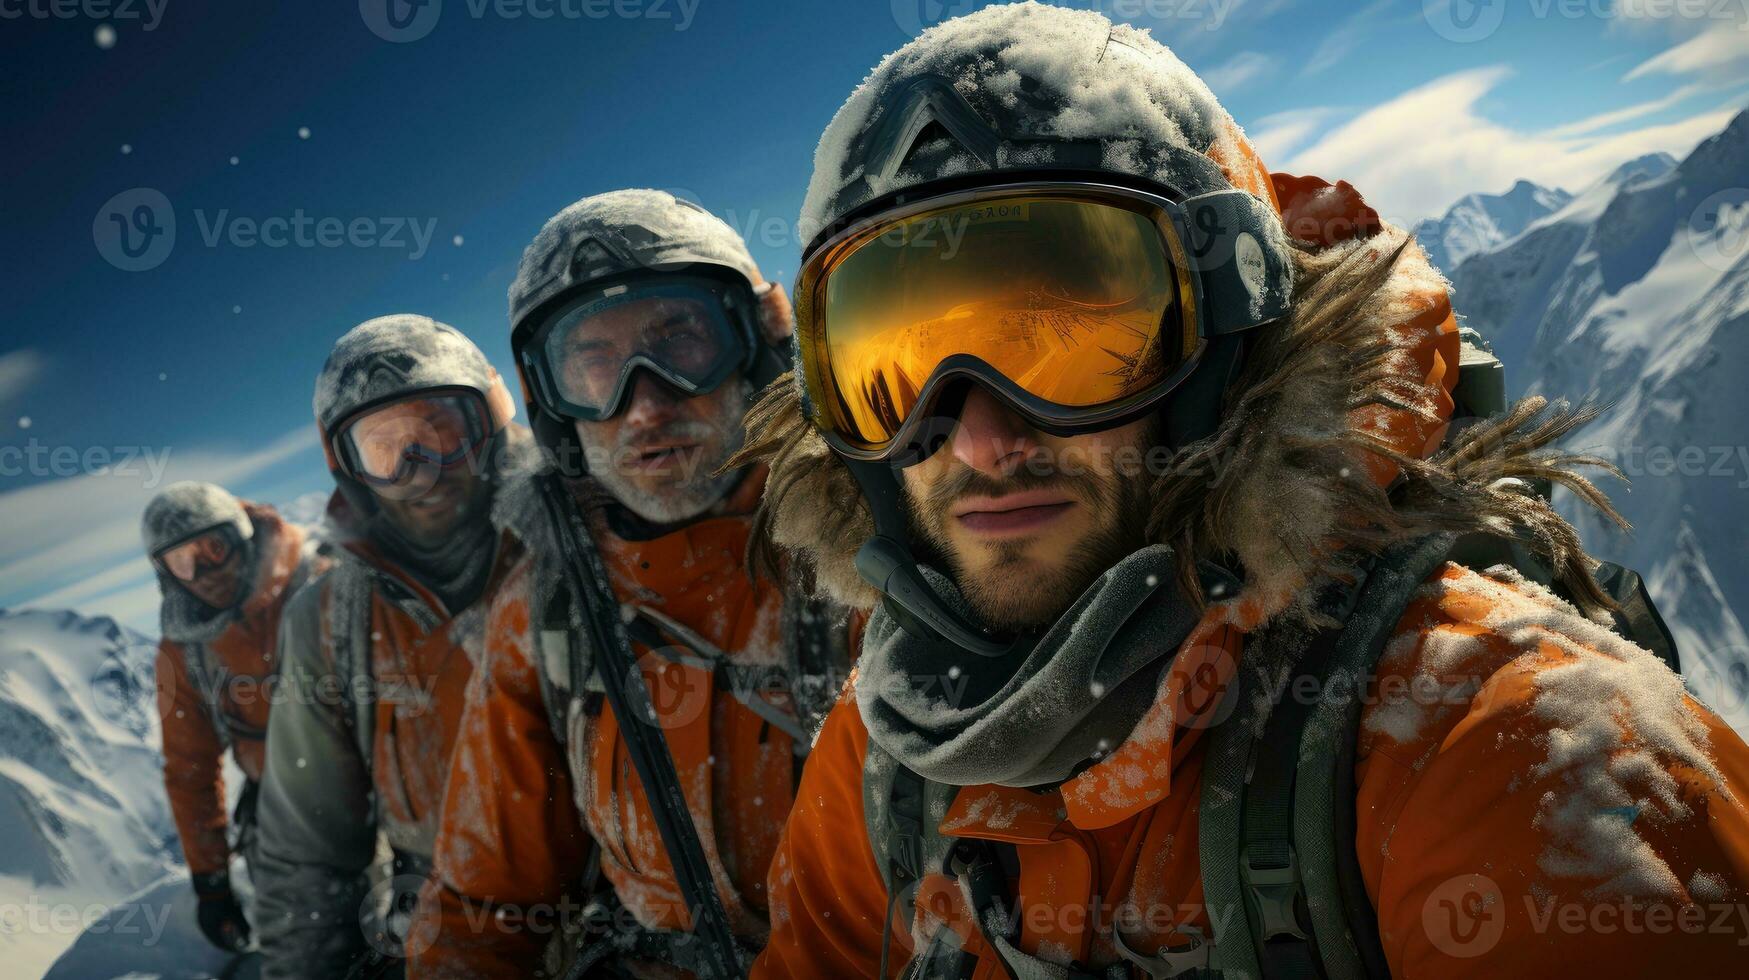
{"type": "Point", "coordinates": [1074, 300]}
{"type": "Point", "coordinates": [187, 559]}
{"type": "Point", "coordinates": [400, 436]}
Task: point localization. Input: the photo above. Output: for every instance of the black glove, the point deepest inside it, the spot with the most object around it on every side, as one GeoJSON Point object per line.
{"type": "Point", "coordinates": [221, 918]}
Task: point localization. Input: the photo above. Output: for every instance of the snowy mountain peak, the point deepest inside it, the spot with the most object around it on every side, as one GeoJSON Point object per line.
{"type": "Point", "coordinates": [1638, 290]}
{"type": "Point", "coordinates": [1648, 167]}
{"type": "Point", "coordinates": [1479, 222]}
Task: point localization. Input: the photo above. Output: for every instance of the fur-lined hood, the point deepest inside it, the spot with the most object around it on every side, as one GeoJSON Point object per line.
{"type": "Point", "coordinates": [1331, 438]}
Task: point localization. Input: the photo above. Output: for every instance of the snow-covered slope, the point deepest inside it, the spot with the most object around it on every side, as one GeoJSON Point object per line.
{"type": "Point", "coordinates": [82, 808]}
{"type": "Point", "coordinates": [1637, 292]}
{"type": "Point", "coordinates": [1482, 221]}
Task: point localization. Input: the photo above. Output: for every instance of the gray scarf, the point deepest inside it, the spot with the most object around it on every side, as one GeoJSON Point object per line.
{"type": "Point", "coordinates": [1044, 712]}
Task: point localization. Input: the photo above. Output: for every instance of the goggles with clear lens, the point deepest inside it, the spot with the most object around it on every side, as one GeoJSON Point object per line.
{"type": "Point", "coordinates": [692, 332]}
{"type": "Point", "coordinates": [1078, 305]}
{"type": "Point", "coordinates": [188, 558]}
{"type": "Point", "coordinates": [393, 443]}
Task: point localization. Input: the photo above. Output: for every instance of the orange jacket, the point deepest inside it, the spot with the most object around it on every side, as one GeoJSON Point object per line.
{"type": "Point", "coordinates": [323, 801]}
{"type": "Point", "coordinates": [246, 669]}
{"type": "Point", "coordinates": [519, 822]}
{"type": "Point", "coordinates": [1576, 815]}
{"type": "Point", "coordinates": [1562, 777]}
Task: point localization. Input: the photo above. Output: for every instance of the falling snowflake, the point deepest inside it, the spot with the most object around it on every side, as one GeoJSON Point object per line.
{"type": "Point", "coordinates": [127, 148]}
{"type": "Point", "coordinates": [104, 36]}
{"type": "Point", "coordinates": [303, 132]}
{"type": "Point", "coordinates": [233, 161]}
{"type": "Point", "coordinates": [24, 421]}
{"type": "Point", "coordinates": [458, 241]}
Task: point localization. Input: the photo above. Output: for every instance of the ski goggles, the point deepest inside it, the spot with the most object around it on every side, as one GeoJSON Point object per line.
{"type": "Point", "coordinates": [691, 332]}
{"type": "Point", "coordinates": [406, 439]}
{"type": "Point", "coordinates": [1080, 306]}
{"type": "Point", "coordinates": [187, 559]}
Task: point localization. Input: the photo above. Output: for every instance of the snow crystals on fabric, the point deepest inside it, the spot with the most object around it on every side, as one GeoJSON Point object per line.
{"type": "Point", "coordinates": [1613, 719]}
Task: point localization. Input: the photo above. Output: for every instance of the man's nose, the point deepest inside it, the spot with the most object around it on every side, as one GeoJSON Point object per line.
{"type": "Point", "coordinates": [650, 404]}
{"type": "Point", "coordinates": [989, 437]}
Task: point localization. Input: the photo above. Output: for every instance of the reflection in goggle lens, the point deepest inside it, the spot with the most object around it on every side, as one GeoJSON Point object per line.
{"type": "Point", "coordinates": [1074, 301]}
{"type": "Point", "coordinates": [197, 554]}
{"type": "Point", "coordinates": [392, 442]}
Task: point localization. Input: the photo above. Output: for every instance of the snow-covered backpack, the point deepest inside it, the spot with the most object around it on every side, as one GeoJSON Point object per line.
{"type": "Point", "coordinates": [1276, 819]}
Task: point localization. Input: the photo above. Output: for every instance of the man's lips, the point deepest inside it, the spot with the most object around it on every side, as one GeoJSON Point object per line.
{"type": "Point", "coordinates": [1012, 513]}
{"type": "Point", "coordinates": [657, 456]}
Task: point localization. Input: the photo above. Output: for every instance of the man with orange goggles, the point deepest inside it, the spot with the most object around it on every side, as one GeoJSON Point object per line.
{"type": "Point", "coordinates": [377, 654]}
{"type": "Point", "coordinates": [225, 569]}
{"type": "Point", "coordinates": [632, 749]}
{"type": "Point", "coordinates": [1216, 629]}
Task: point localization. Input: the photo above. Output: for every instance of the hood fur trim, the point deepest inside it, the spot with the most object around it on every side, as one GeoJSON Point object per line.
{"type": "Point", "coordinates": [1311, 437]}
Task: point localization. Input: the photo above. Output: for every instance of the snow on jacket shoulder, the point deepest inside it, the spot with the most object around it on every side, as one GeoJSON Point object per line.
{"type": "Point", "coordinates": [1542, 797]}
{"type": "Point", "coordinates": [1563, 809]}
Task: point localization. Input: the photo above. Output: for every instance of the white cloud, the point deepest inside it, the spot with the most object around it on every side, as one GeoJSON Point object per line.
{"type": "Point", "coordinates": [1416, 154]}
{"type": "Point", "coordinates": [1721, 50]}
{"type": "Point", "coordinates": [1276, 135]}
{"type": "Point", "coordinates": [1604, 120]}
{"type": "Point", "coordinates": [74, 541]}
{"type": "Point", "coordinates": [1238, 71]}
{"type": "Point", "coordinates": [19, 369]}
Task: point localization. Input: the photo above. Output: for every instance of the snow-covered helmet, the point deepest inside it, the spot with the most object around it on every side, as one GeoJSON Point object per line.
{"type": "Point", "coordinates": [185, 509]}
{"type": "Point", "coordinates": [392, 358]}
{"type": "Point", "coordinates": [595, 248]}
{"type": "Point", "coordinates": [1041, 103]}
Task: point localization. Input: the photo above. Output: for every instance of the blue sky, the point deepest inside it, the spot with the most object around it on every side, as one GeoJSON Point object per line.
{"type": "Point", "coordinates": [443, 152]}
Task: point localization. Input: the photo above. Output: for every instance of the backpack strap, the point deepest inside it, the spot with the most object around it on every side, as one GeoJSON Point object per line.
{"type": "Point", "coordinates": [1636, 617]}
{"type": "Point", "coordinates": [1277, 820]}
{"type": "Point", "coordinates": [816, 643]}
{"type": "Point", "coordinates": [204, 671]}
{"type": "Point", "coordinates": [351, 587]}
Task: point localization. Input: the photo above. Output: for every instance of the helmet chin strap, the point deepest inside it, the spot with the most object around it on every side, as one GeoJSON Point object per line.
{"type": "Point", "coordinates": [886, 562]}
